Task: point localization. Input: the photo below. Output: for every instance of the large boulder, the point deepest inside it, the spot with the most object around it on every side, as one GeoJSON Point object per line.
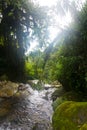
{"type": "Point", "coordinates": [84, 127]}
{"type": "Point", "coordinates": [66, 96]}
{"type": "Point", "coordinates": [7, 89]}
{"type": "Point", "coordinates": [70, 115]}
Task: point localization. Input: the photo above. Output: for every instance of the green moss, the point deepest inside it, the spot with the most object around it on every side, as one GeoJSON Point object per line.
{"type": "Point", "coordinates": [69, 96]}
{"type": "Point", "coordinates": [70, 116]}
{"type": "Point", "coordinates": [84, 127]}
{"type": "Point", "coordinates": [57, 102]}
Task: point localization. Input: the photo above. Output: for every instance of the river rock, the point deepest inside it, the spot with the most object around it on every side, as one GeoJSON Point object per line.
{"type": "Point", "coordinates": [7, 89]}
{"type": "Point", "coordinates": [22, 87]}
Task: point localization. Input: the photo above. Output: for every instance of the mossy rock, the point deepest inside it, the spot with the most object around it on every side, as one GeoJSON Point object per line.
{"type": "Point", "coordinates": [69, 96]}
{"type": "Point", "coordinates": [8, 88]}
{"type": "Point", "coordinates": [84, 127]}
{"type": "Point", "coordinates": [70, 116]}
{"type": "Point", "coordinates": [57, 102]}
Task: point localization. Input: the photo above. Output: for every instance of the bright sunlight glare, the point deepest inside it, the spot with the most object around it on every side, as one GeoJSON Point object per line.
{"type": "Point", "coordinates": [32, 47]}
{"type": "Point", "coordinates": [61, 22]}
{"type": "Point", "coordinates": [47, 2]}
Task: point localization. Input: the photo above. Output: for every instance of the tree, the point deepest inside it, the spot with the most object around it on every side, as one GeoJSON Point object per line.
{"type": "Point", "coordinates": [73, 55]}
{"type": "Point", "coordinates": [69, 62]}
{"type": "Point", "coordinates": [20, 21]}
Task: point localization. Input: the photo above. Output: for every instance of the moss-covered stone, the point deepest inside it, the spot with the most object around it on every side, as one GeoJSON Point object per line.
{"type": "Point", "coordinates": [57, 102]}
{"type": "Point", "coordinates": [70, 116]}
{"type": "Point", "coordinates": [69, 96]}
{"type": "Point", "coordinates": [8, 88]}
{"type": "Point", "coordinates": [84, 127]}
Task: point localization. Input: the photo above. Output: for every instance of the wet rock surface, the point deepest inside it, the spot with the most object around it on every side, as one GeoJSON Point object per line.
{"type": "Point", "coordinates": [27, 110]}
{"type": "Point", "coordinates": [8, 89]}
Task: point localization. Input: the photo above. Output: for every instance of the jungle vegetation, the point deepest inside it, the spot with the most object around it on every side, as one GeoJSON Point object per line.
{"type": "Point", "coordinates": [63, 59]}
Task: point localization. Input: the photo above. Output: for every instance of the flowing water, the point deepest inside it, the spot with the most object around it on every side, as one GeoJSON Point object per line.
{"type": "Point", "coordinates": [31, 112]}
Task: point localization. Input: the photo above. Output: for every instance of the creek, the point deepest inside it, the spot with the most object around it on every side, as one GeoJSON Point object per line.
{"type": "Point", "coordinates": [31, 112]}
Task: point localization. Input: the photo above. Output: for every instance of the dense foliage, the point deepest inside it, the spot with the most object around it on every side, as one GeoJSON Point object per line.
{"type": "Point", "coordinates": [34, 65]}
{"type": "Point", "coordinates": [20, 22]}
{"type": "Point", "coordinates": [68, 60]}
